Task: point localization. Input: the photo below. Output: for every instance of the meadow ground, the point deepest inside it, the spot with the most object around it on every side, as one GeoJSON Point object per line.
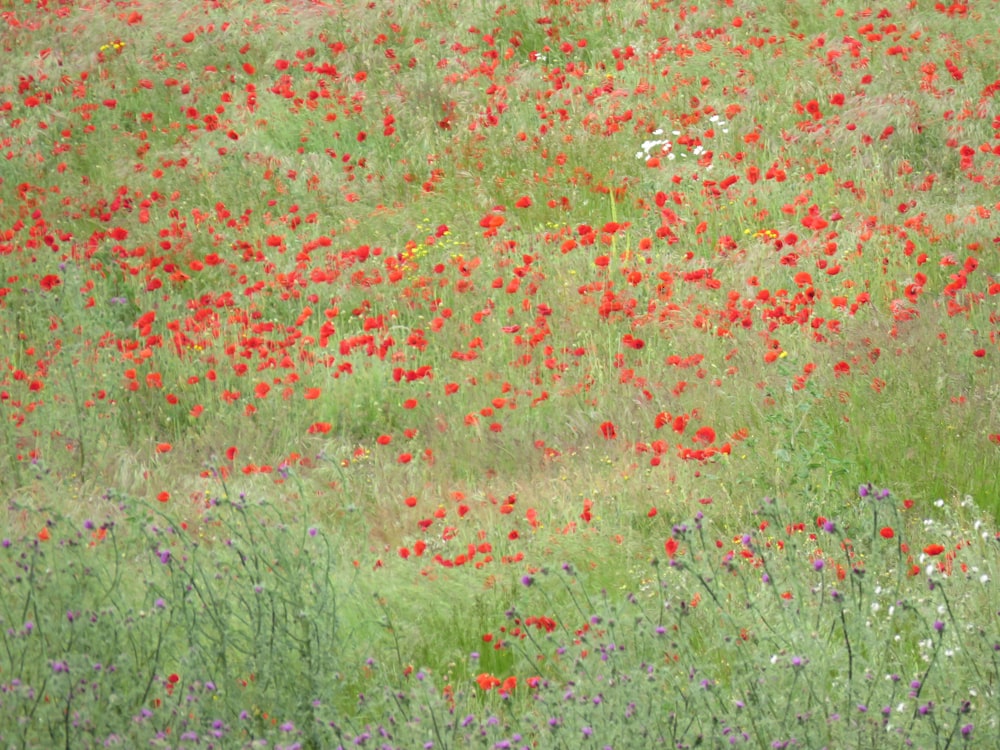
{"type": "Point", "coordinates": [550, 374]}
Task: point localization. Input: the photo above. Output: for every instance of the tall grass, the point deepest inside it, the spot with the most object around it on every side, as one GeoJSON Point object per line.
{"type": "Point", "coordinates": [423, 376]}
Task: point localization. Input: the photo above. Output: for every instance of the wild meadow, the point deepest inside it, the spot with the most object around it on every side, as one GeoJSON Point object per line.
{"type": "Point", "coordinates": [550, 374]}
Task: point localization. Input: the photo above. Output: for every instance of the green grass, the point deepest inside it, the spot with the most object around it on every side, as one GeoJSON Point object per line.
{"type": "Point", "coordinates": [455, 346]}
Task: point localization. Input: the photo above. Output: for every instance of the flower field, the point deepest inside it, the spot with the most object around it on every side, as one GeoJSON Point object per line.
{"type": "Point", "coordinates": [559, 374]}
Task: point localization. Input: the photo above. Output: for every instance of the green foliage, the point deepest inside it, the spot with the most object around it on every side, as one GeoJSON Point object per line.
{"type": "Point", "coordinates": [361, 361]}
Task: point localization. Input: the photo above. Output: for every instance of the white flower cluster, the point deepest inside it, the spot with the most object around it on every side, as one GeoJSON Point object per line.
{"type": "Point", "coordinates": [664, 147]}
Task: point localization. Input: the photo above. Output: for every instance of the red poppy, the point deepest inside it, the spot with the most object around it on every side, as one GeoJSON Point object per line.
{"type": "Point", "coordinates": [487, 681]}
{"type": "Point", "coordinates": [608, 431]}
{"type": "Point", "coordinates": [887, 532]}
{"type": "Point", "coordinates": [704, 435]}
{"type": "Point", "coordinates": [933, 549]}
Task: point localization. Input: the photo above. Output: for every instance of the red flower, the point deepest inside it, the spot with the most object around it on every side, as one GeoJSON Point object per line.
{"type": "Point", "coordinates": [670, 547]}
{"type": "Point", "coordinates": [608, 430]}
{"type": "Point", "coordinates": [705, 435]}
{"type": "Point", "coordinates": [487, 681]}
{"type": "Point", "coordinates": [933, 549]}
{"type": "Point", "coordinates": [887, 532]}
{"type": "Point", "coordinates": [49, 282]}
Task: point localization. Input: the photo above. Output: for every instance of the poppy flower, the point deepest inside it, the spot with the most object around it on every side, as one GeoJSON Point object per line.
{"type": "Point", "coordinates": [887, 532]}
{"type": "Point", "coordinates": [704, 435]}
{"type": "Point", "coordinates": [487, 681]}
{"type": "Point", "coordinates": [933, 549]}
{"type": "Point", "coordinates": [608, 431]}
